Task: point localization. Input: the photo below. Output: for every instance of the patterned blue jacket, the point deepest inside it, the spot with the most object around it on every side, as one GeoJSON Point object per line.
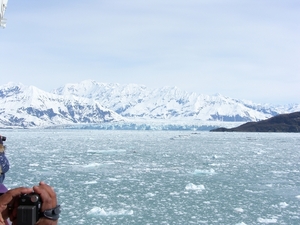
{"type": "Point", "coordinates": [4, 163]}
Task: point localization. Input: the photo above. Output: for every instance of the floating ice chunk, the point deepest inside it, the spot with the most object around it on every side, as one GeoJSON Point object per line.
{"type": "Point", "coordinates": [98, 211]}
{"type": "Point", "coordinates": [298, 196]}
{"type": "Point", "coordinates": [209, 172]}
{"type": "Point", "coordinates": [91, 182]}
{"type": "Point", "coordinates": [194, 187]}
{"type": "Point", "coordinates": [86, 167]}
{"type": "Point", "coordinates": [267, 221]}
{"type": "Point", "coordinates": [107, 151]}
{"type": "Point", "coordinates": [91, 165]}
{"type": "Point", "coordinates": [34, 164]}
{"type": "Point", "coordinates": [240, 210]}
{"type": "Point", "coordinates": [242, 223]}
{"type": "Point", "coordinates": [149, 195]}
{"type": "Point", "coordinates": [251, 191]}
{"type": "Point", "coordinates": [113, 179]}
{"type": "Point", "coordinates": [259, 152]}
{"type": "Point", "coordinates": [283, 205]}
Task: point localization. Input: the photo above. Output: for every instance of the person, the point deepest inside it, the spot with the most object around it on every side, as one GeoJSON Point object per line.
{"type": "Point", "coordinates": [3, 189]}
{"type": "Point", "coordinates": [4, 163]}
{"type": "Point", "coordinates": [9, 204]}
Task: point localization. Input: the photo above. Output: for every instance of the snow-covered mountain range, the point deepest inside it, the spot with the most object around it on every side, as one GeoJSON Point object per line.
{"type": "Point", "coordinates": [22, 106]}
{"type": "Point", "coordinates": [91, 102]}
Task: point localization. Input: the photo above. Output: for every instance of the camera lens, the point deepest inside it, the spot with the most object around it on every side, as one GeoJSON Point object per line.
{"type": "Point", "coordinates": [34, 198]}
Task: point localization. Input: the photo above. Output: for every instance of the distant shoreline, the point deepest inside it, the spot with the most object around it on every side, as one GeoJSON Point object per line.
{"type": "Point", "coordinates": [289, 123]}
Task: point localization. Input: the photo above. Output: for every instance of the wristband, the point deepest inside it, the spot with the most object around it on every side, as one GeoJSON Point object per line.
{"type": "Point", "coordinates": [52, 214]}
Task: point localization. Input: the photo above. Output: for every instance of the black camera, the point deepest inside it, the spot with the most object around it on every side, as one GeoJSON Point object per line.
{"type": "Point", "coordinates": [3, 138]}
{"type": "Point", "coordinates": [29, 209]}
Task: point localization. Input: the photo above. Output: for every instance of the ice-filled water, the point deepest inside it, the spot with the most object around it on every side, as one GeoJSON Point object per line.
{"type": "Point", "coordinates": [161, 177]}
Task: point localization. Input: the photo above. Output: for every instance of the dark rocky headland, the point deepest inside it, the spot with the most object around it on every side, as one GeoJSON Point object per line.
{"type": "Point", "coordinates": [280, 123]}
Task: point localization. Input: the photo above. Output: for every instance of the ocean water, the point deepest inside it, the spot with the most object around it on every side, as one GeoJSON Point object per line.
{"type": "Point", "coordinates": [161, 177]}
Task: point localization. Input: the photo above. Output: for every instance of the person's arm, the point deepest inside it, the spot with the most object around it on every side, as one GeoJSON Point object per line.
{"type": "Point", "coordinates": [49, 200]}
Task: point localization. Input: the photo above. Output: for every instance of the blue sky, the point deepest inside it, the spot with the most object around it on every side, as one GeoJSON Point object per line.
{"type": "Point", "coordinates": [240, 49]}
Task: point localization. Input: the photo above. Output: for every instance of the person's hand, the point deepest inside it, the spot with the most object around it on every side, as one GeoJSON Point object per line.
{"type": "Point", "coordinates": [49, 200]}
{"type": "Point", "coordinates": [10, 200]}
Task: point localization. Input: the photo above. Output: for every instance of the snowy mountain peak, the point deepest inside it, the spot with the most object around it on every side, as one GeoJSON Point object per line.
{"type": "Point", "coordinates": [133, 100]}
{"type": "Point", "coordinates": [28, 106]}
{"type": "Point", "coordinates": [93, 102]}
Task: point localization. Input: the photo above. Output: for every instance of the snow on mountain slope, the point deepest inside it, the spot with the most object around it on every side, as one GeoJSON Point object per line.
{"type": "Point", "coordinates": [113, 96]}
{"type": "Point", "coordinates": [29, 106]}
{"type": "Point", "coordinates": [94, 102]}
{"type": "Point", "coordinates": [134, 101]}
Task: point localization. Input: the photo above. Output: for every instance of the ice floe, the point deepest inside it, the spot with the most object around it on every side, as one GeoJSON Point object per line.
{"type": "Point", "coordinates": [267, 221]}
{"type": "Point", "coordinates": [98, 211]}
{"type": "Point", "coordinates": [194, 187]}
